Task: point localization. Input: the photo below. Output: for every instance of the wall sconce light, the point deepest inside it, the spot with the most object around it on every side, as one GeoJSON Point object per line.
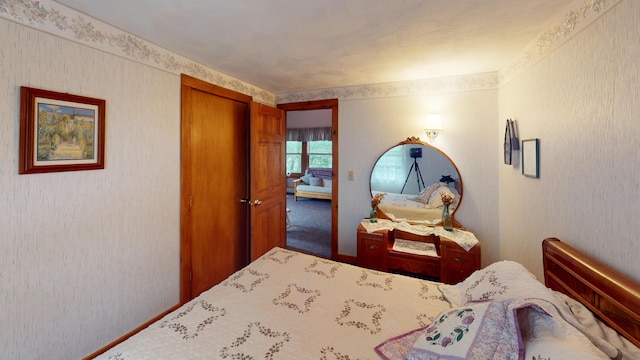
{"type": "Point", "coordinates": [433, 126]}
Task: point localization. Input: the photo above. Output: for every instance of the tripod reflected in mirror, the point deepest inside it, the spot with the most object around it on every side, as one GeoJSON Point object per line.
{"type": "Point", "coordinates": [414, 153]}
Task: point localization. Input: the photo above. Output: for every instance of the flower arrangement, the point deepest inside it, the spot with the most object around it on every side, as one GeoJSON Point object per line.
{"type": "Point", "coordinates": [376, 199]}
{"type": "Point", "coordinates": [447, 199]}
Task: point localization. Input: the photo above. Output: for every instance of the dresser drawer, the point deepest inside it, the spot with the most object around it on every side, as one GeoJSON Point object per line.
{"type": "Point", "coordinates": [427, 266]}
{"type": "Point", "coordinates": [371, 251]}
{"type": "Point", "coordinates": [458, 264]}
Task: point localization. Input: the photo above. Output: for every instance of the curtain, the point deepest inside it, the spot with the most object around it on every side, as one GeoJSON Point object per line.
{"type": "Point", "coordinates": [309, 134]}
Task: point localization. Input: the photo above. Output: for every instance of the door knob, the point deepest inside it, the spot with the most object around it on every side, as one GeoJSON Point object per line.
{"type": "Point", "coordinates": [252, 203]}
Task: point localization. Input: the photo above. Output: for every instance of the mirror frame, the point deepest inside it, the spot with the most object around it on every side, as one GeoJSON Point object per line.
{"type": "Point", "coordinates": [416, 141]}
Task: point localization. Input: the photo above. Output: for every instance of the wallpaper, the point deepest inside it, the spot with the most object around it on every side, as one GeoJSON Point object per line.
{"type": "Point", "coordinates": [577, 17]}
{"type": "Point", "coordinates": [582, 102]}
{"type": "Point", "coordinates": [55, 18]}
{"type": "Point", "coordinates": [58, 19]}
{"type": "Point", "coordinates": [86, 256]}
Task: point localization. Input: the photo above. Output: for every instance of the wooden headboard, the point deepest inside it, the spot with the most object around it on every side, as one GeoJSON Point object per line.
{"type": "Point", "coordinates": [611, 296]}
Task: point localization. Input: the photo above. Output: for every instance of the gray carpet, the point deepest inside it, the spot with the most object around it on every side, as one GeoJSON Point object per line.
{"type": "Point", "coordinates": [310, 229]}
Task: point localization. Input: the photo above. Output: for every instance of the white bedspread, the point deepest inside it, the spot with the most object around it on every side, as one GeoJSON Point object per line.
{"type": "Point", "coordinates": [288, 305]}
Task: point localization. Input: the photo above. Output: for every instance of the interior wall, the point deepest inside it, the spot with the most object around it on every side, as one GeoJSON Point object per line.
{"type": "Point", "coordinates": [87, 255]}
{"type": "Point", "coordinates": [309, 118]}
{"type": "Point", "coordinates": [369, 127]}
{"type": "Point", "coordinates": [582, 101]}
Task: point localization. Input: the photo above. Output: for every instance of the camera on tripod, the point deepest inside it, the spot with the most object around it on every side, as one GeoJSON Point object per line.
{"type": "Point", "coordinates": [415, 153]}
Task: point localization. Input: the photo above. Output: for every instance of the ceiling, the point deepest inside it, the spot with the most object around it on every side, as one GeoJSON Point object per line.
{"type": "Point", "coordinates": [292, 45]}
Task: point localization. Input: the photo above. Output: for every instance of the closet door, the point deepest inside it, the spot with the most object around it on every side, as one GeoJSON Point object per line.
{"type": "Point", "coordinates": [214, 178]}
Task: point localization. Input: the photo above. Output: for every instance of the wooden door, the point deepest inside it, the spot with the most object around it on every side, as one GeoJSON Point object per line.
{"type": "Point", "coordinates": [214, 178]}
{"type": "Point", "coordinates": [268, 186]}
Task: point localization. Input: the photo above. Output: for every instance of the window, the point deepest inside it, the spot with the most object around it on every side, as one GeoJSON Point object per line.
{"type": "Point", "coordinates": [305, 154]}
{"type": "Point", "coordinates": [389, 172]}
{"type": "Point", "coordinates": [320, 154]}
{"type": "Point", "coordinates": [294, 157]}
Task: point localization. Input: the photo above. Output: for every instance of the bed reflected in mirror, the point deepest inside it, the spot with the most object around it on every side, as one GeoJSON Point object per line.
{"type": "Point", "coordinates": [413, 174]}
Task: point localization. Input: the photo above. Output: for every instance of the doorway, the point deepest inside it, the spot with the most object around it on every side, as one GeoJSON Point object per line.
{"type": "Point", "coordinates": [332, 105]}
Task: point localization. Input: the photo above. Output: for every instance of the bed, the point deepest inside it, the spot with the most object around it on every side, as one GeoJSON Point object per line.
{"type": "Point", "coordinates": [424, 208]}
{"type": "Point", "coordinates": [289, 305]}
{"type": "Point", "coordinates": [401, 207]}
{"type": "Point", "coordinates": [315, 184]}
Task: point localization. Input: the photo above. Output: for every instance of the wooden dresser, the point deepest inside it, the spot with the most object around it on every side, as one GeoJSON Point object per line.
{"type": "Point", "coordinates": [451, 265]}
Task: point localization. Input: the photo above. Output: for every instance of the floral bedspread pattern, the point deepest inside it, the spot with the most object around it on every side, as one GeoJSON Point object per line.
{"type": "Point", "coordinates": [288, 305]}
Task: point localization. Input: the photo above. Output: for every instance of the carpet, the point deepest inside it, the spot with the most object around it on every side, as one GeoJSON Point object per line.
{"type": "Point", "coordinates": [310, 229]}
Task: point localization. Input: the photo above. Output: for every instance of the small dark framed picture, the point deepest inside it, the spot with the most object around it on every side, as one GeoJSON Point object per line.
{"type": "Point", "coordinates": [60, 132]}
{"type": "Point", "coordinates": [531, 158]}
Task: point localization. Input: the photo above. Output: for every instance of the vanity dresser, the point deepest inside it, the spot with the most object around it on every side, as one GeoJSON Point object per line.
{"type": "Point", "coordinates": [448, 262]}
{"type": "Point", "coordinates": [412, 175]}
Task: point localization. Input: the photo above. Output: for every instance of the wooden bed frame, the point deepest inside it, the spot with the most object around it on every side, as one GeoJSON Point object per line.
{"type": "Point", "coordinates": [611, 296]}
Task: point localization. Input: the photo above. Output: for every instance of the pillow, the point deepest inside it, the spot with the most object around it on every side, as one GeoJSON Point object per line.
{"type": "Point", "coordinates": [501, 329]}
{"type": "Point", "coordinates": [306, 179]}
{"type": "Point", "coordinates": [486, 330]}
{"type": "Point", "coordinates": [326, 182]}
{"type": "Point", "coordinates": [436, 198]}
{"type": "Point", "coordinates": [548, 337]}
{"type": "Point", "coordinates": [425, 194]}
{"type": "Point", "coordinates": [314, 181]}
{"type": "Point", "coordinates": [500, 280]}
{"type": "Point", "coordinates": [554, 336]}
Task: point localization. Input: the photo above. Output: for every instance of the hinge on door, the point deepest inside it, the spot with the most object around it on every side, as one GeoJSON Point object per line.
{"type": "Point", "coordinates": [190, 276]}
{"type": "Point", "coordinates": [191, 118]}
{"type": "Point", "coordinates": [190, 200]}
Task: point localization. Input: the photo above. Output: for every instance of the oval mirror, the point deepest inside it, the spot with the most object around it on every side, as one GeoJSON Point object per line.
{"type": "Point", "coordinates": [413, 174]}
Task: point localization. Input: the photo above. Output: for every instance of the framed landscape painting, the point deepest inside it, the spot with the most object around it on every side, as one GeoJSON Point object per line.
{"type": "Point", "coordinates": [60, 132]}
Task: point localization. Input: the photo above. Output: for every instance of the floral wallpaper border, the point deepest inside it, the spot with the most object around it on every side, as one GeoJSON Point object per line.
{"type": "Point", "coordinates": [57, 19]}
{"type": "Point", "coordinates": [405, 88]}
{"type": "Point", "coordinates": [577, 17]}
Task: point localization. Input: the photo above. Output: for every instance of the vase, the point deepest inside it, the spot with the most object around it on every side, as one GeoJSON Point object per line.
{"type": "Point", "coordinates": [447, 221]}
{"type": "Point", "coordinates": [373, 215]}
